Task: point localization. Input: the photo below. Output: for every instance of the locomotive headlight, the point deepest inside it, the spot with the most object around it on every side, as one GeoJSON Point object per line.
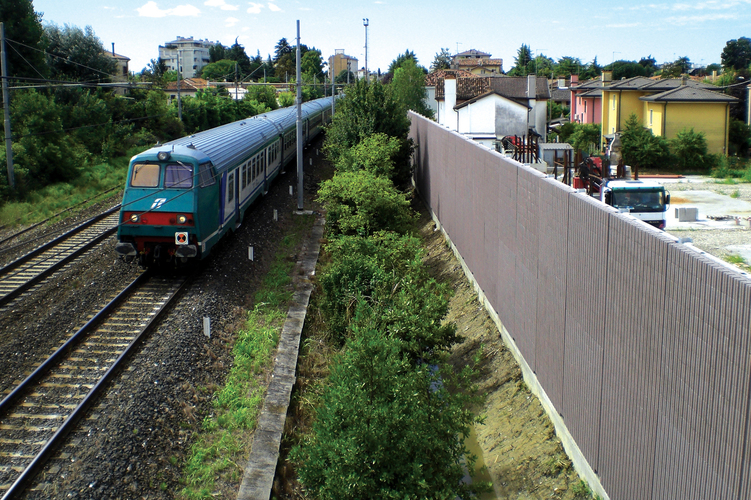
{"type": "Point", "coordinates": [134, 218]}
{"type": "Point", "coordinates": [181, 219]}
{"type": "Point", "coordinates": [163, 155]}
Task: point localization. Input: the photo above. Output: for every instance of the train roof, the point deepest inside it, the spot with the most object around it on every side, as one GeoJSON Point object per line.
{"type": "Point", "coordinates": [228, 144]}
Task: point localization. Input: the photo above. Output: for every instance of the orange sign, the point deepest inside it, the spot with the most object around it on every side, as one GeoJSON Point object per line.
{"type": "Point", "coordinates": [181, 238]}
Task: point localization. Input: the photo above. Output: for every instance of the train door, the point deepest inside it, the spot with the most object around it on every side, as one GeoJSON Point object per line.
{"type": "Point", "coordinates": [230, 197]}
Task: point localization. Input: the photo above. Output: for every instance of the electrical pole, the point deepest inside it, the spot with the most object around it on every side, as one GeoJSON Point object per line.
{"type": "Point", "coordinates": [179, 101]}
{"type": "Point", "coordinates": [6, 111]}
{"type": "Point", "coordinates": [299, 123]}
{"type": "Point", "coordinates": [365, 23]}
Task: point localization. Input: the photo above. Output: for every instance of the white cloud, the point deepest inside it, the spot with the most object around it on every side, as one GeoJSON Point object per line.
{"type": "Point", "coordinates": [274, 7]}
{"type": "Point", "coordinates": [624, 25]}
{"type": "Point", "coordinates": [255, 8]}
{"type": "Point", "coordinates": [231, 21]}
{"type": "Point", "coordinates": [151, 9]}
{"type": "Point", "coordinates": [222, 4]}
{"type": "Point", "coordinates": [683, 20]}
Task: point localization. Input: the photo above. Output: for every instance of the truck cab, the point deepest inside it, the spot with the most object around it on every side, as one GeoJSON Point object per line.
{"type": "Point", "coordinates": [644, 199]}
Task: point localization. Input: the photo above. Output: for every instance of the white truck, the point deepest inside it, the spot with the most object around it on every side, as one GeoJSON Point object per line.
{"type": "Point", "coordinates": [644, 199]}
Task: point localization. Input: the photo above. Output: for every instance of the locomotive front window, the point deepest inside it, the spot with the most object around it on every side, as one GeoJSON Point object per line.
{"type": "Point", "coordinates": [178, 175]}
{"type": "Point", "coordinates": [145, 175]}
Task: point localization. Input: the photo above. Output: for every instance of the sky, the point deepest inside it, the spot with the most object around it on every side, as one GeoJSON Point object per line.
{"type": "Point", "coordinates": [607, 29]}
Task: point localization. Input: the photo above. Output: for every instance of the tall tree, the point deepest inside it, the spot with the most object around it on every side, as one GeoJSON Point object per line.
{"type": "Point", "coordinates": [281, 48]}
{"type": "Point", "coordinates": [649, 63]}
{"type": "Point", "coordinates": [217, 52]}
{"type": "Point", "coordinates": [737, 54]}
{"type": "Point", "coordinates": [311, 65]}
{"type": "Point", "coordinates": [568, 66]}
{"type": "Point", "coordinates": [237, 54]}
{"type": "Point", "coordinates": [77, 54]}
{"type": "Point", "coordinates": [400, 60]}
{"type": "Point", "coordinates": [521, 61]}
{"type": "Point", "coordinates": [408, 87]}
{"type": "Point", "coordinates": [24, 33]}
{"type": "Point", "coordinates": [626, 69]}
{"type": "Point", "coordinates": [442, 60]}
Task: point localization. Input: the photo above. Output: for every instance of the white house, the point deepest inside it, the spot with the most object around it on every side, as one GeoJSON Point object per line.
{"type": "Point", "coordinates": [489, 108]}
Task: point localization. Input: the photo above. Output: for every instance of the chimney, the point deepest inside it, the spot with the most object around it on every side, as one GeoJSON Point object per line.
{"type": "Point", "coordinates": [449, 99]}
{"type": "Point", "coordinates": [532, 86]}
{"type": "Point", "coordinates": [607, 76]}
{"type": "Point", "coordinates": [684, 80]}
{"type": "Point", "coordinates": [574, 80]}
{"type": "Point", "coordinates": [113, 49]}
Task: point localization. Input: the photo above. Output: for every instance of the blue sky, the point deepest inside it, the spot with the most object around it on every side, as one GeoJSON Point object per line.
{"type": "Point", "coordinates": [606, 29]}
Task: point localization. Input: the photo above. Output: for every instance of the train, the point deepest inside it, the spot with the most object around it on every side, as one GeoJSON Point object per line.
{"type": "Point", "coordinates": [183, 196]}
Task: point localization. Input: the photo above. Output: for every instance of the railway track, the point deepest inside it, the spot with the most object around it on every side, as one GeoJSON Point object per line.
{"type": "Point", "coordinates": [36, 416]}
{"type": "Point", "coordinates": [30, 269]}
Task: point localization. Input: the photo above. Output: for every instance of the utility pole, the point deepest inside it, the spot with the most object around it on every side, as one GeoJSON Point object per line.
{"type": "Point", "coordinates": [299, 123]}
{"type": "Point", "coordinates": [365, 23]}
{"type": "Point", "coordinates": [179, 101]}
{"type": "Point", "coordinates": [6, 111]}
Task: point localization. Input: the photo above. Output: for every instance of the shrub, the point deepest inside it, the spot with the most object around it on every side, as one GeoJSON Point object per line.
{"type": "Point", "coordinates": [690, 150]}
{"type": "Point", "coordinates": [363, 203]}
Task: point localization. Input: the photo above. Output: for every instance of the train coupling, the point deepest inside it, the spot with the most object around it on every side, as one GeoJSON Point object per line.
{"type": "Point", "coordinates": [186, 251]}
{"type": "Point", "coordinates": [125, 249]}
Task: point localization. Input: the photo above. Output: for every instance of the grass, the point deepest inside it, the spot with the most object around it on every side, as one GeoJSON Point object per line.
{"type": "Point", "coordinates": [737, 260]}
{"type": "Point", "coordinates": [222, 444]}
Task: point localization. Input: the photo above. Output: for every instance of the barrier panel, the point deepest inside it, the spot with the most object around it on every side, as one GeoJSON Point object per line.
{"type": "Point", "coordinates": [638, 346]}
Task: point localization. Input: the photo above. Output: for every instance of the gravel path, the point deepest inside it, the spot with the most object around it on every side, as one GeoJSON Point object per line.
{"type": "Point", "coordinates": [713, 241]}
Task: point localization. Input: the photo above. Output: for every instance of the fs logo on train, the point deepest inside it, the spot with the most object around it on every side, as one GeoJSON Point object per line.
{"type": "Point", "coordinates": [181, 238]}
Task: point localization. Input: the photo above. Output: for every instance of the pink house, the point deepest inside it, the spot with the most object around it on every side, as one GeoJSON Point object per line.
{"type": "Point", "coordinates": [586, 100]}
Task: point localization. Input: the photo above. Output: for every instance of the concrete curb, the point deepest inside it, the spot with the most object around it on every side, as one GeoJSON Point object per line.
{"type": "Point", "coordinates": [258, 477]}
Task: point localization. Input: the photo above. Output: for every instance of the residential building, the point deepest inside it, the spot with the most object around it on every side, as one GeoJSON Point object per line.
{"type": "Point", "coordinates": [186, 56]}
{"type": "Point", "coordinates": [586, 100]}
{"type": "Point", "coordinates": [489, 108]}
{"type": "Point", "coordinates": [432, 79]}
{"type": "Point", "coordinates": [667, 107]}
{"type": "Point", "coordinates": [121, 73]}
{"type": "Point", "coordinates": [188, 87]}
{"type": "Point", "coordinates": [341, 62]}
{"type": "Point", "coordinates": [478, 63]}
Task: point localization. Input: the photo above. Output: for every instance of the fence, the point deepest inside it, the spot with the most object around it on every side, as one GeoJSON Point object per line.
{"type": "Point", "coordinates": [639, 345]}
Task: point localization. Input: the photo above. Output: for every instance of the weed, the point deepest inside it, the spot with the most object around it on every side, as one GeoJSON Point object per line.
{"type": "Point", "coordinates": [581, 490]}
{"type": "Point", "coordinates": [173, 460]}
{"type": "Point", "coordinates": [222, 441]}
{"type": "Point", "coordinates": [735, 194]}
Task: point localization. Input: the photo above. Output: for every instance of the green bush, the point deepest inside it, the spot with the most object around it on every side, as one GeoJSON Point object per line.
{"type": "Point", "coordinates": [363, 203]}
{"type": "Point", "coordinates": [689, 149]}
{"type": "Point", "coordinates": [387, 429]}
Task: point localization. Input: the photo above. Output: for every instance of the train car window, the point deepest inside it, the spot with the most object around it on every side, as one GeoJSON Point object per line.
{"type": "Point", "coordinates": [178, 175]}
{"type": "Point", "coordinates": [231, 187]}
{"type": "Point", "coordinates": [245, 175]}
{"type": "Point", "coordinates": [206, 174]}
{"type": "Point", "coordinates": [145, 175]}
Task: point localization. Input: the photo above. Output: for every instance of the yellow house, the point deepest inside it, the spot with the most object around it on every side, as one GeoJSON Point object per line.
{"type": "Point", "coordinates": [670, 112]}
{"type": "Point", "coordinates": [667, 107]}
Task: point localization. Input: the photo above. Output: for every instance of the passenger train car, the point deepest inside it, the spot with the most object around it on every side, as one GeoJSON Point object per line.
{"type": "Point", "coordinates": [181, 197]}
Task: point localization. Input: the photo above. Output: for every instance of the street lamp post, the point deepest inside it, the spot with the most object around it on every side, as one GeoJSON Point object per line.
{"type": "Point", "coordinates": [365, 23]}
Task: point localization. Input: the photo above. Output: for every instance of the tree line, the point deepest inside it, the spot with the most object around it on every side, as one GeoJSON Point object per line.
{"type": "Point", "coordinates": [65, 118]}
{"type": "Point", "coordinates": [392, 415]}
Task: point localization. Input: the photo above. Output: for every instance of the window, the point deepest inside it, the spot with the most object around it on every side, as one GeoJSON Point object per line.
{"type": "Point", "coordinates": [650, 117]}
{"type": "Point", "coordinates": [207, 174]}
{"type": "Point", "coordinates": [245, 175]}
{"type": "Point", "coordinates": [613, 100]}
{"type": "Point", "coordinates": [585, 107]}
{"type": "Point", "coordinates": [230, 187]}
{"type": "Point", "coordinates": [178, 175]}
{"type": "Point", "coordinates": [145, 175]}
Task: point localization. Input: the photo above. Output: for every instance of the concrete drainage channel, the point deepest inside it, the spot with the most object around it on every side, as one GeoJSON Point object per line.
{"type": "Point", "coordinates": [259, 473]}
